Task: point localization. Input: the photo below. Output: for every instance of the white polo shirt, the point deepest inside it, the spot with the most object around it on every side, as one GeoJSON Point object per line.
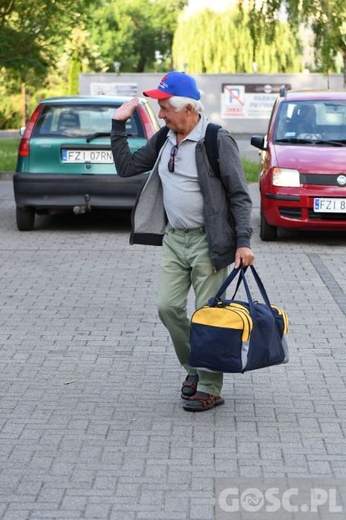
{"type": "Point", "coordinates": [182, 197]}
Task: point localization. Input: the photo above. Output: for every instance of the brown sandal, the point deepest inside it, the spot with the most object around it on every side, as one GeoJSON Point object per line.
{"type": "Point", "coordinates": [201, 401]}
{"type": "Point", "coordinates": [189, 387]}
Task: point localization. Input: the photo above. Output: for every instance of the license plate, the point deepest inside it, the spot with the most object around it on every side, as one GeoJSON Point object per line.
{"type": "Point", "coordinates": [330, 205]}
{"type": "Point", "coordinates": [87, 156]}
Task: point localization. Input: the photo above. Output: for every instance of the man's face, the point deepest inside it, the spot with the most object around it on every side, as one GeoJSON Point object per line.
{"type": "Point", "coordinates": [175, 121]}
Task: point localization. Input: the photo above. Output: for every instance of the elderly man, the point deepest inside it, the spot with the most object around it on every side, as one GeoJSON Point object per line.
{"type": "Point", "coordinates": [201, 218]}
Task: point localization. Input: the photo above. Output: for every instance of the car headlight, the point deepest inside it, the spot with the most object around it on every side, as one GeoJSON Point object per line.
{"type": "Point", "coordinates": [286, 177]}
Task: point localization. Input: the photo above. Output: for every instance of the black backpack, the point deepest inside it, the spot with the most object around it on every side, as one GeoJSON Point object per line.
{"type": "Point", "coordinates": [210, 142]}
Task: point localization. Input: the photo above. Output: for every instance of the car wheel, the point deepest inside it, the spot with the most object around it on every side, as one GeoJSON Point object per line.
{"type": "Point", "coordinates": [268, 233]}
{"type": "Point", "coordinates": [25, 218]}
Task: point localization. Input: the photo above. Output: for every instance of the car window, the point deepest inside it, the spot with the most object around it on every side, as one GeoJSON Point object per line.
{"type": "Point", "coordinates": [79, 121]}
{"type": "Point", "coordinates": [311, 119]}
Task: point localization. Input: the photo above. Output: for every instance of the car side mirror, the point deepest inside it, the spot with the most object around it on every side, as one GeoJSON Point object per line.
{"type": "Point", "coordinates": [258, 141]}
{"type": "Point", "coordinates": [22, 130]}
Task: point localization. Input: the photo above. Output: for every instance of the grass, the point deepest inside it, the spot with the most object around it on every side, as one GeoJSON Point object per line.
{"type": "Point", "coordinates": [8, 154]}
{"type": "Point", "coordinates": [251, 170]}
{"type": "Point", "coordinates": [9, 147]}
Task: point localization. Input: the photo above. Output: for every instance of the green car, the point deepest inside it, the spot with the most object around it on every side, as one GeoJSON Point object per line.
{"type": "Point", "coordinates": [65, 161]}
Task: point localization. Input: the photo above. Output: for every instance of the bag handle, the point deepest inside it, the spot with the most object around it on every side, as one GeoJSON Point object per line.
{"type": "Point", "coordinates": [247, 290]}
{"type": "Point", "coordinates": [238, 284]}
{"type": "Point", "coordinates": [226, 283]}
{"type": "Point", "coordinates": [241, 271]}
{"type": "Point", "coordinates": [260, 286]}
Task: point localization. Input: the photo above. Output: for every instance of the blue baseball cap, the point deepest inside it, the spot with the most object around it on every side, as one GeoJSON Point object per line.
{"type": "Point", "coordinates": [175, 84]}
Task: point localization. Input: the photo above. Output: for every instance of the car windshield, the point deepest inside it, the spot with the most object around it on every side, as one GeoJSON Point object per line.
{"type": "Point", "coordinates": [80, 121]}
{"type": "Point", "coordinates": [311, 121]}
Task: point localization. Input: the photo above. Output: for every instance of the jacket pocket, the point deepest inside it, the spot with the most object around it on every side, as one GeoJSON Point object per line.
{"type": "Point", "coordinates": [221, 235]}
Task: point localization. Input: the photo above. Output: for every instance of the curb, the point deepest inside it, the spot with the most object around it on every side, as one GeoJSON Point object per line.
{"type": "Point", "coordinates": [6, 176]}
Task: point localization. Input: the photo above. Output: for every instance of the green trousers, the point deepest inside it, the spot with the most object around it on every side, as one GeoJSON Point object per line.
{"type": "Point", "coordinates": [186, 263]}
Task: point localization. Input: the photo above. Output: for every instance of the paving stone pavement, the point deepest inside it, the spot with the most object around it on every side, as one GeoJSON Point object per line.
{"type": "Point", "coordinates": [91, 420]}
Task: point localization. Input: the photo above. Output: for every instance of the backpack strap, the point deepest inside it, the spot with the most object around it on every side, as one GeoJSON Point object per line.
{"type": "Point", "coordinates": [210, 142]}
{"type": "Point", "coordinates": [161, 138]}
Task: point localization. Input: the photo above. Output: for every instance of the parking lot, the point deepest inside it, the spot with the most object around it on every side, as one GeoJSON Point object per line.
{"type": "Point", "coordinates": [91, 421]}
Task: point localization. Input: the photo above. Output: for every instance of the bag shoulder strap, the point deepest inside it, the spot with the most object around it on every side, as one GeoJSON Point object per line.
{"type": "Point", "coordinates": [211, 147]}
{"type": "Point", "coordinates": [161, 138]}
{"type": "Point", "coordinates": [210, 142]}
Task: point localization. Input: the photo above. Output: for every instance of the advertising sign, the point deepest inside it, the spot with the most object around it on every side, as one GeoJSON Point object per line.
{"type": "Point", "coordinates": [251, 101]}
{"type": "Point", "coordinates": [114, 89]}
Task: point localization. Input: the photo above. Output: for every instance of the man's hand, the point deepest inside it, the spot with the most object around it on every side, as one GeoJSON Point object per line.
{"type": "Point", "coordinates": [125, 111]}
{"type": "Point", "coordinates": [243, 256]}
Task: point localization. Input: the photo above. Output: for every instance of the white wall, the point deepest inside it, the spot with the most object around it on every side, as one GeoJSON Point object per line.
{"type": "Point", "coordinates": [212, 85]}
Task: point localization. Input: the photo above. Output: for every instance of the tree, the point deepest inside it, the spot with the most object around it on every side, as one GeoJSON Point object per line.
{"type": "Point", "coordinates": [132, 32]}
{"type": "Point", "coordinates": [212, 42]}
{"type": "Point", "coordinates": [326, 18]}
{"type": "Point", "coordinates": [33, 33]}
{"type": "Point", "coordinates": [83, 56]}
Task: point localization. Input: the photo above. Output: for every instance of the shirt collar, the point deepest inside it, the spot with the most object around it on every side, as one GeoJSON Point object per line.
{"type": "Point", "coordinates": [196, 133]}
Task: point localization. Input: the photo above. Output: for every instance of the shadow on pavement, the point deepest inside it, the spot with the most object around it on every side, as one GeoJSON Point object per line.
{"type": "Point", "coordinates": [117, 220]}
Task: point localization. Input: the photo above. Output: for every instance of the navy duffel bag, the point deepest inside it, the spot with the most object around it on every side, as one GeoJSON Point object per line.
{"type": "Point", "coordinates": [238, 336]}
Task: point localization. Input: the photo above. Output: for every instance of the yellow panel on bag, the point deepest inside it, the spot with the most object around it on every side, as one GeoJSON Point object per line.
{"type": "Point", "coordinates": [223, 318]}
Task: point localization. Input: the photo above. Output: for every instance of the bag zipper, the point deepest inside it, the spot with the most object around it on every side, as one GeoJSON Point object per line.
{"type": "Point", "coordinates": [245, 310]}
{"type": "Point", "coordinates": [282, 313]}
{"type": "Point", "coordinates": [244, 314]}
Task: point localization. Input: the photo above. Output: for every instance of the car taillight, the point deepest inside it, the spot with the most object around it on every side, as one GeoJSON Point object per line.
{"type": "Point", "coordinates": [147, 123]}
{"type": "Point", "coordinates": [24, 145]}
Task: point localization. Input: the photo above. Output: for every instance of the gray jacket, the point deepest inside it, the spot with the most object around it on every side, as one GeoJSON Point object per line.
{"type": "Point", "coordinates": [227, 203]}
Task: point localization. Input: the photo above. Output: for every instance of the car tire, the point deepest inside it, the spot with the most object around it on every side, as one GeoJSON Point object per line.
{"type": "Point", "coordinates": [268, 233]}
{"type": "Point", "coordinates": [25, 217]}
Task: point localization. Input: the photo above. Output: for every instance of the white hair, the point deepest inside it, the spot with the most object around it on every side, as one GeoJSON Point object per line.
{"type": "Point", "coordinates": [179, 102]}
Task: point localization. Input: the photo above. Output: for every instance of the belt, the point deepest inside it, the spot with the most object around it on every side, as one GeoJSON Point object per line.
{"type": "Point", "coordinates": [200, 229]}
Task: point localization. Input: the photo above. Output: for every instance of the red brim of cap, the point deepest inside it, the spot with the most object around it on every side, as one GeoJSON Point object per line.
{"type": "Point", "coordinates": [157, 94]}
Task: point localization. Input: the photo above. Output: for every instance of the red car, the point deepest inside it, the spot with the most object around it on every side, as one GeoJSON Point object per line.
{"type": "Point", "coordinates": [303, 163]}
